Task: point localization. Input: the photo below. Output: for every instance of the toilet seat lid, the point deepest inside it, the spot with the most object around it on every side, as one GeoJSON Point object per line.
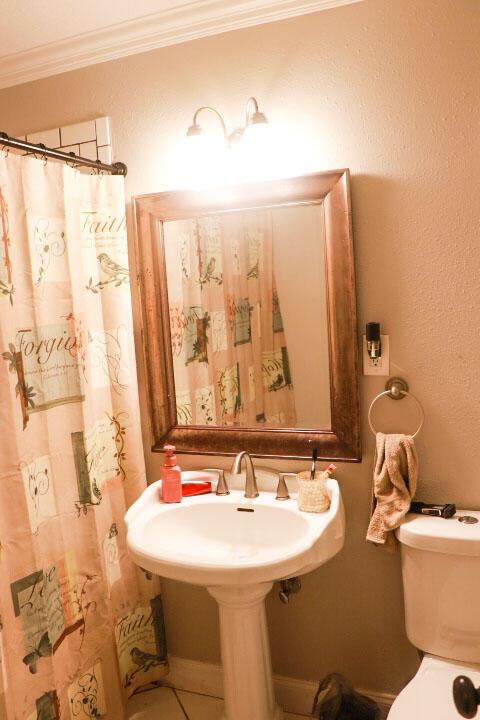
{"type": "Point", "coordinates": [450, 537]}
{"type": "Point", "coordinates": [429, 694]}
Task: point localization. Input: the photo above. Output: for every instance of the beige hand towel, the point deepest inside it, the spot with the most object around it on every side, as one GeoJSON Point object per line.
{"type": "Point", "coordinates": [394, 485]}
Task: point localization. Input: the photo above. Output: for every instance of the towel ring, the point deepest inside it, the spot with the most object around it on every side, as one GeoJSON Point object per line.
{"type": "Point", "coordinates": [396, 389]}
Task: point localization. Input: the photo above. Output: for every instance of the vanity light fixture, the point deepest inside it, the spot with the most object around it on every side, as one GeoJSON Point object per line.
{"type": "Point", "coordinates": [254, 119]}
{"type": "Point", "coordinates": [228, 156]}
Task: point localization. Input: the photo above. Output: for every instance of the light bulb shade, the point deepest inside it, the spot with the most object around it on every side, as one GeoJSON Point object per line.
{"type": "Point", "coordinates": [204, 159]}
{"type": "Point", "coordinates": [255, 135]}
{"type": "Point", "coordinates": [258, 118]}
{"type": "Point", "coordinates": [194, 130]}
{"type": "Point", "coordinates": [256, 154]}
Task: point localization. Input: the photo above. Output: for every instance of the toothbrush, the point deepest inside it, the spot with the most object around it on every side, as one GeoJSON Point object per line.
{"type": "Point", "coordinates": [314, 462]}
{"type": "Point", "coordinates": [330, 469]}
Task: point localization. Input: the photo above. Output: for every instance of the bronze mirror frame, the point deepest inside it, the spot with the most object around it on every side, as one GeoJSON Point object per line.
{"type": "Point", "coordinates": [342, 441]}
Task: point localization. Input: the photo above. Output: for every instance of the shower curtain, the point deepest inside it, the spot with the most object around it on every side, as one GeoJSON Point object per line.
{"type": "Point", "coordinates": [81, 626]}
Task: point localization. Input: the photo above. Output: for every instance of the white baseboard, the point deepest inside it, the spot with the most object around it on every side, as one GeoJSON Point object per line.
{"type": "Point", "coordinates": [295, 696]}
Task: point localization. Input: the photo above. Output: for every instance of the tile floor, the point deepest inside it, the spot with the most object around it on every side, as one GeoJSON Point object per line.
{"type": "Point", "coordinates": [168, 704]}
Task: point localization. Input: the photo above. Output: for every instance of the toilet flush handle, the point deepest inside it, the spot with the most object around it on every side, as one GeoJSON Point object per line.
{"type": "Point", "coordinates": [465, 696]}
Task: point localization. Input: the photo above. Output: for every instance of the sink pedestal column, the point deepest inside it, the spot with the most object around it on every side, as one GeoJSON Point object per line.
{"type": "Point", "coordinates": [247, 668]}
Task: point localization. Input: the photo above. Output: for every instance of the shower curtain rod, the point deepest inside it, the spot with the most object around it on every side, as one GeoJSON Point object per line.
{"type": "Point", "coordinates": [40, 150]}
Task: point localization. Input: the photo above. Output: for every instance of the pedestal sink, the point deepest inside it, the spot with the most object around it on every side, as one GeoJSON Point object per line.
{"type": "Point", "coordinates": [236, 548]}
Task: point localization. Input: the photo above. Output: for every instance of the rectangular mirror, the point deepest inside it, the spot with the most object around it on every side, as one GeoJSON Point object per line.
{"type": "Point", "coordinates": [248, 311]}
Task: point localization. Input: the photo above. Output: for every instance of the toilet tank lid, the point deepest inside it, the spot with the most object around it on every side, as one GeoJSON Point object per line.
{"type": "Point", "coordinates": [450, 536]}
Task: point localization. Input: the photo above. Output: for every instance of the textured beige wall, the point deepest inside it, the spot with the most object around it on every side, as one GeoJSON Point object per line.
{"type": "Point", "coordinates": [388, 88]}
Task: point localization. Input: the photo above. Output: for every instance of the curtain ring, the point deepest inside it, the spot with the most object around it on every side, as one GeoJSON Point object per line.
{"type": "Point", "coordinates": [40, 146]}
{"type": "Point", "coordinates": [73, 164]}
{"type": "Point", "coordinates": [5, 148]}
{"type": "Point", "coordinates": [44, 148]}
{"type": "Point", "coordinates": [98, 170]}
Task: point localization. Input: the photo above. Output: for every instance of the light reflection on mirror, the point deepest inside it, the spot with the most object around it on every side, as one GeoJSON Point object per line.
{"type": "Point", "coordinates": [248, 319]}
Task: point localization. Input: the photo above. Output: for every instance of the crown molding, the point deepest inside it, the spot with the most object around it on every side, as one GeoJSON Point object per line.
{"type": "Point", "coordinates": [188, 22]}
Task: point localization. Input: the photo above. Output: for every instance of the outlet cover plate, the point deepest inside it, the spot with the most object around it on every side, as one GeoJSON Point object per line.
{"type": "Point", "coordinates": [382, 367]}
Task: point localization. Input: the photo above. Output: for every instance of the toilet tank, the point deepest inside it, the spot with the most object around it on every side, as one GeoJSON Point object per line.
{"type": "Point", "coordinates": [441, 585]}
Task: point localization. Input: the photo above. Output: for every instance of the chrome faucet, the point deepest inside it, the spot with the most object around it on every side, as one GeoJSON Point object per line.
{"type": "Point", "coordinates": [251, 489]}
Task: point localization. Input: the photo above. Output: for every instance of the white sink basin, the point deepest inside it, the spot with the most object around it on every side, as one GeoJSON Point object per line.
{"type": "Point", "coordinates": [236, 548]}
{"type": "Point", "coordinates": [215, 540]}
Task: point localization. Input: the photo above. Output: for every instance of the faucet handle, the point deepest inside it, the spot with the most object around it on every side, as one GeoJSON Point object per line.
{"type": "Point", "coordinates": [222, 487]}
{"type": "Point", "coordinates": [282, 489]}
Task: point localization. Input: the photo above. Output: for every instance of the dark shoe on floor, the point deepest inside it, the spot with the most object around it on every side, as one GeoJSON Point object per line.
{"type": "Point", "coordinates": [337, 700]}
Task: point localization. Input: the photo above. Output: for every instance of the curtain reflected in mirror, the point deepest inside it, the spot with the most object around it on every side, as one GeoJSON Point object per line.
{"type": "Point", "coordinates": [248, 317]}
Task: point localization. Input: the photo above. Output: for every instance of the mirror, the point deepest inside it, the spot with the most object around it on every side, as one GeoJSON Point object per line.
{"type": "Point", "coordinates": [248, 311]}
{"type": "Point", "coordinates": [248, 317]}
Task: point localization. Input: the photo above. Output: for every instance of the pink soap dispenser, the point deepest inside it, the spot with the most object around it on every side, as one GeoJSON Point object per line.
{"type": "Point", "coordinates": [171, 477]}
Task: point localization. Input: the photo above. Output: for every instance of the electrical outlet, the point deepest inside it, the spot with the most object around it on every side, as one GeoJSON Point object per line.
{"type": "Point", "coordinates": [381, 366]}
